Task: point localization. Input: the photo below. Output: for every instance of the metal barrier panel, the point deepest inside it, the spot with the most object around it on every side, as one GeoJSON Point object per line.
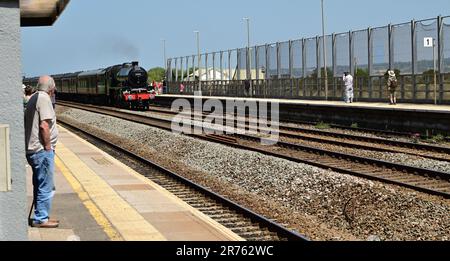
{"type": "Point", "coordinates": [310, 56]}
{"type": "Point", "coordinates": [329, 54]}
{"type": "Point", "coordinates": [402, 48]}
{"type": "Point", "coordinates": [284, 60]}
{"type": "Point", "coordinates": [329, 63]}
{"type": "Point", "coordinates": [242, 64]}
{"type": "Point", "coordinates": [310, 84]}
{"type": "Point", "coordinates": [360, 42]}
{"type": "Point", "coordinates": [272, 71]}
{"type": "Point", "coordinates": [297, 59]}
{"type": "Point", "coordinates": [202, 71]}
{"type": "Point", "coordinates": [182, 68]}
{"type": "Point", "coordinates": [216, 66]}
{"type": "Point", "coordinates": [424, 59]}
{"type": "Point", "coordinates": [252, 61]}
{"type": "Point", "coordinates": [297, 67]}
{"type": "Point", "coordinates": [446, 42]}
{"type": "Point", "coordinates": [424, 54]}
{"type": "Point", "coordinates": [261, 62]}
{"type": "Point", "coordinates": [342, 54]}
{"type": "Point", "coordinates": [225, 66]}
{"type": "Point", "coordinates": [380, 50]}
{"type": "Point", "coordinates": [233, 64]}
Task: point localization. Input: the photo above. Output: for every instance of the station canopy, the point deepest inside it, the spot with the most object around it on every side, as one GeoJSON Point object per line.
{"type": "Point", "coordinates": [41, 12]}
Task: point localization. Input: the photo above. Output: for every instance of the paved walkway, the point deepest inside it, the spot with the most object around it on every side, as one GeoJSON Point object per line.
{"type": "Point", "coordinates": [99, 198]}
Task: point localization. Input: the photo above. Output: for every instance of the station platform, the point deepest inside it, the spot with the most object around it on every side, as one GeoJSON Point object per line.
{"type": "Point", "coordinates": [100, 199]}
{"type": "Point", "coordinates": [413, 118]}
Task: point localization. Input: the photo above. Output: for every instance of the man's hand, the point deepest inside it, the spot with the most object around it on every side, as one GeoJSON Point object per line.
{"type": "Point", "coordinates": [45, 135]}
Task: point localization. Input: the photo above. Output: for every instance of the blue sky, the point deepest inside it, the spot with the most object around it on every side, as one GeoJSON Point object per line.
{"type": "Point", "coordinates": [97, 33]}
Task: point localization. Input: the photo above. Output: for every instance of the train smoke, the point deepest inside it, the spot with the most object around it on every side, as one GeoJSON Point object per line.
{"type": "Point", "coordinates": [119, 48]}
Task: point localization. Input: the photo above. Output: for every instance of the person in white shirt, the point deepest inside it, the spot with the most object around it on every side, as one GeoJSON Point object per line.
{"type": "Point", "coordinates": [348, 81]}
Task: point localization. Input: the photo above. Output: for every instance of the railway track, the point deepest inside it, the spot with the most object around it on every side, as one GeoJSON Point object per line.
{"type": "Point", "coordinates": [240, 220]}
{"type": "Point", "coordinates": [433, 152]}
{"type": "Point", "coordinates": [424, 180]}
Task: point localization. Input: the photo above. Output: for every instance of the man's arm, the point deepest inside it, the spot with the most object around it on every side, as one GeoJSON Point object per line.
{"type": "Point", "coordinates": [45, 134]}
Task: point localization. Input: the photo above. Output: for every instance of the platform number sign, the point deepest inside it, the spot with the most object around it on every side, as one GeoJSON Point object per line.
{"type": "Point", "coordinates": [428, 42]}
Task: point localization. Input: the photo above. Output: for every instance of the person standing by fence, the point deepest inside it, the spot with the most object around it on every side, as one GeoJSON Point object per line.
{"type": "Point", "coordinates": [348, 81]}
{"type": "Point", "coordinates": [392, 85]}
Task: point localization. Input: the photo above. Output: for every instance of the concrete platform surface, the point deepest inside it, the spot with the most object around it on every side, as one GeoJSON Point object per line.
{"type": "Point", "coordinates": [100, 199]}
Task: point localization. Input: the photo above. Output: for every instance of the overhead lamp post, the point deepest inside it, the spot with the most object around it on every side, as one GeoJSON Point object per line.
{"type": "Point", "coordinates": [164, 52]}
{"type": "Point", "coordinates": [324, 53]}
{"type": "Point", "coordinates": [199, 61]}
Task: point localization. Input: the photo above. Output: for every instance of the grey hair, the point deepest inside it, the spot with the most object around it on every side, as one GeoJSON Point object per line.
{"type": "Point", "coordinates": [46, 86]}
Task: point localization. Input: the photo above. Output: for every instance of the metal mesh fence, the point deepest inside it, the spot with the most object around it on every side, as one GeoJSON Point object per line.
{"type": "Point", "coordinates": [272, 71]}
{"type": "Point", "coordinates": [284, 60]}
{"type": "Point", "coordinates": [402, 48]}
{"type": "Point", "coordinates": [294, 69]}
{"type": "Point", "coordinates": [242, 64]}
{"type": "Point", "coordinates": [342, 54]}
{"type": "Point", "coordinates": [446, 45]}
{"type": "Point", "coordinates": [329, 54]}
{"type": "Point", "coordinates": [310, 56]}
{"type": "Point", "coordinates": [361, 50]}
{"type": "Point", "coordinates": [297, 59]}
{"type": "Point", "coordinates": [261, 62]}
{"type": "Point", "coordinates": [380, 50]}
{"type": "Point", "coordinates": [233, 64]}
{"type": "Point", "coordinates": [424, 55]}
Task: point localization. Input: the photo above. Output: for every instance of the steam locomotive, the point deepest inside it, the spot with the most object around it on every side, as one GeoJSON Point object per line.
{"type": "Point", "coordinates": [123, 86]}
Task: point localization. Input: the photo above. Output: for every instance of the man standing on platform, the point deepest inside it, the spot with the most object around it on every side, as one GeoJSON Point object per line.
{"type": "Point", "coordinates": [348, 81]}
{"type": "Point", "coordinates": [41, 136]}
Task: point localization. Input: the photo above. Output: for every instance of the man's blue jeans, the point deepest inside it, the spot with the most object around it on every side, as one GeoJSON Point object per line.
{"type": "Point", "coordinates": [43, 165]}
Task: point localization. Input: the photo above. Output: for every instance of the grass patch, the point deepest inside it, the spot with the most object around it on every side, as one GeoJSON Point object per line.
{"type": "Point", "coordinates": [322, 126]}
{"type": "Point", "coordinates": [436, 139]}
{"type": "Point", "coordinates": [354, 126]}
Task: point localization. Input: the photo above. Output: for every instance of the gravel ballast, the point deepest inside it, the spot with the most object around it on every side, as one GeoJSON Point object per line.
{"type": "Point", "coordinates": [346, 206]}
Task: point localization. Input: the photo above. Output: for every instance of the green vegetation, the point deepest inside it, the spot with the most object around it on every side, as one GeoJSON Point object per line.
{"type": "Point", "coordinates": [322, 73]}
{"type": "Point", "coordinates": [322, 126]}
{"type": "Point", "coordinates": [156, 74]}
{"type": "Point", "coordinates": [362, 73]}
{"type": "Point", "coordinates": [354, 125]}
{"type": "Point", "coordinates": [437, 139]}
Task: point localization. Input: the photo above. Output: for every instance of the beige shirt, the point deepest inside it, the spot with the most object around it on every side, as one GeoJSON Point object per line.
{"type": "Point", "coordinates": [39, 108]}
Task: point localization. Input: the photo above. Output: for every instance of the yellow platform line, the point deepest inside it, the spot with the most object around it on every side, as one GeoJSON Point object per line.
{"type": "Point", "coordinates": [126, 220]}
{"type": "Point", "coordinates": [98, 216]}
{"type": "Point", "coordinates": [230, 235]}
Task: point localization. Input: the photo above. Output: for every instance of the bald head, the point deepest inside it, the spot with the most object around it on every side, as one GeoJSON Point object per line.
{"type": "Point", "coordinates": [46, 84]}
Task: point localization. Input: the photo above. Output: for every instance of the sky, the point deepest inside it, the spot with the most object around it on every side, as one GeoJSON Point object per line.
{"type": "Point", "coordinates": [94, 34]}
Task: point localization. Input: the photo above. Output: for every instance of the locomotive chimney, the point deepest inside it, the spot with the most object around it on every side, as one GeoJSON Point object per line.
{"type": "Point", "coordinates": [135, 64]}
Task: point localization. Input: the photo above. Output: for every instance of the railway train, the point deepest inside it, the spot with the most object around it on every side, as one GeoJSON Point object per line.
{"type": "Point", "coordinates": [124, 86]}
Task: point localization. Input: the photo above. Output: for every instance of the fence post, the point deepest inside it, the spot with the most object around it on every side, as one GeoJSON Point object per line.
{"type": "Point", "coordinates": [257, 62]}
{"type": "Point", "coordinates": [369, 52]}
{"type": "Point", "coordinates": [230, 76]}
{"type": "Point", "coordinates": [169, 65]}
{"type": "Point", "coordinates": [414, 59]}
{"type": "Point", "coordinates": [221, 66]}
{"type": "Point", "coordinates": [318, 66]}
{"type": "Point", "coordinates": [176, 69]}
{"type": "Point", "coordinates": [334, 61]}
{"type": "Point", "coordinates": [390, 46]}
{"type": "Point", "coordinates": [304, 66]}
{"type": "Point", "coordinates": [440, 58]}
{"type": "Point", "coordinates": [267, 86]}
{"type": "Point", "coordinates": [291, 63]}
{"type": "Point", "coordinates": [182, 68]}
